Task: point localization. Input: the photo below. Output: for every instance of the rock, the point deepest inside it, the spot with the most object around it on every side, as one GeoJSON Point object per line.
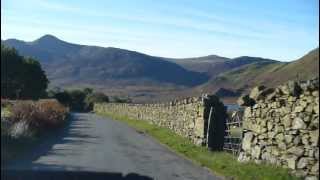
{"type": "Point", "coordinates": [285, 89]}
{"type": "Point", "coordinates": [245, 100]}
{"type": "Point", "coordinates": [309, 108]}
{"type": "Point", "coordinates": [298, 123]}
{"type": "Point", "coordinates": [287, 121]}
{"type": "Point", "coordinates": [311, 153]}
{"type": "Point", "coordinates": [316, 153]}
{"type": "Point", "coordinates": [305, 139]}
{"type": "Point", "coordinates": [271, 134]}
{"type": "Point", "coordinates": [314, 124]}
{"type": "Point", "coordinates": [305, 118]}
{"type": "Point", "coordinates": [310, 99]}
{"type": "Point", "coordinates": [316, 109]}
{"type": "Point", "coordinates": [256, 92]}
{"type": "Point", "coordinates": [291, 88]}
{"type": "Point", "coordinates": [294, 88]}
{"type": "Point", "coordinates": [298, 109]}
{"type": "Point", "coordinates": [279, 137]}
{"type": "Point", "coordinates": [279, 129]}
{"type": "Point", "coordinates": [270, 158]}
{"type": "Point", "coordinates": [256, 152]}
{"type": "Point", "coordinates": [282, 145]}
{"type": "Point", "coordinates": [303, 104]}
{"type": "Point", "coordinates": [292, 162]}
{"type": "Point", "coordinates": [297, 150]}
{"type": "Point", "coordinates": [262, 136]}
{"type": "Point", "coordinates": [269, 93]}
{"type": "Point", "coordinates": [315, 93]}
{"type": "Point", "coordinates": [292, 98]}
{"type": "Point", "coordinates": [247, 112]}
{"type": "Point", "coordinates": [311, 178]}
{"type": "Point", "coordinates": [246, 142]}
{"type": "Point", "coordinates": [297, 140]}
{"type": "Point", "coordinates": [288, 138]}
{"type": "Point", "coordinates": [302, 163]}
{"type": "Point", "coordinates": [300, 173]}
{"type": "Point", "coordinates": [275, 151]}
{"type": "Point", "coordinates": [314, 137]}
{"type": "Point", "coordinates": [270, 126]}
{"type": "Point", "coordinates": [294, 132]}
{"type": "Point", "coordinates": [243, 157]}
{"type": "Point", "coordinates": [315, 168]}
{"type": "Point", "coordinates": [271, 96]}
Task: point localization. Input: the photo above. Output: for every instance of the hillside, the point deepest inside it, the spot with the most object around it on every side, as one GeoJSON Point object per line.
{"type": "Point", "coordinates": [72, 64]}
{"type": "Point", "coordinates": [213, 65]}
{"type": "Point", "coordinates": [268, 73]}
{"type": "Point", "coordinates": [145, 78]}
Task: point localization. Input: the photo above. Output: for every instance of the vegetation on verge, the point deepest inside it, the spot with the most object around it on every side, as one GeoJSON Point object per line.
{"type": "Point", "coordinates": [42, 114]}
{"type": "Point", "coordinates": [23, 122]}
{"type": "Point", "coordinates": [220, 163]}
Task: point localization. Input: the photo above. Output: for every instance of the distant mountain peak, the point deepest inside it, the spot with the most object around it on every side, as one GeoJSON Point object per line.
{"type": "Point", "coordinates": [48, 39]}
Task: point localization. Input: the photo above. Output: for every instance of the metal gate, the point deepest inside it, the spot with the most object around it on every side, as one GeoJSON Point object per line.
{"type": "Point", "coordinates": [233, 132]}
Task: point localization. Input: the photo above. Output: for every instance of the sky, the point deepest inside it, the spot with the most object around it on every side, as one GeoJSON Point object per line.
{"type": "Point", "coordinates": [278, 29]}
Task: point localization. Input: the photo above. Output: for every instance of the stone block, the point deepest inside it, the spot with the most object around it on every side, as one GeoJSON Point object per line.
{"type": "Point", "coordinates": [296, 150]}
{"type": "Point", "coordinates": [298, 123]}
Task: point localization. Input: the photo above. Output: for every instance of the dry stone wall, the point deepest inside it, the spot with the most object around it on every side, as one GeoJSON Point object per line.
{"type": "Point", "coordinates": [187, 117]}
{"type": "Point", "coordinates": [281, 126]}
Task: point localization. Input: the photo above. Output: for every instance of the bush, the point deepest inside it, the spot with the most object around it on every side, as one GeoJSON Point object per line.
{"type": "Point", "coordinates": [39, 115]}
{"type": "Point", "coordinates": [95, 98]}
{"type": "Point", "coordinates": [117, 99]}
{"type": "Point", "coordinates": [21, 77]}
{"type": "Point", "coordinates": [79, 100]}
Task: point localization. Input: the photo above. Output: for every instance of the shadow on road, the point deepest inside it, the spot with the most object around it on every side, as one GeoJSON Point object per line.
{"type": "Point", "coordinates": [75, 132]}
{"type": "Point", "coordinates": [68, 175]}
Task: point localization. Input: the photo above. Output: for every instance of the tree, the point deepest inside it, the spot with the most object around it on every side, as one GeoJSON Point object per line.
{"type": "Point", "coordinates": [88, 91]}
{"type": "Point", "coordinates": [34, 79]}
{"type": "Point", "coordinates": [21, 77]}
{"type": "Point", "coordinates": [77, 100]}
{"type": "Point", "coordinates": [11, 72]}
{"type": "Point", "coordinates": [95, 98]}
{"type": "Point", "coordinates": [63, 97]}
{"type": "Point", "coordinates": [117, 99]}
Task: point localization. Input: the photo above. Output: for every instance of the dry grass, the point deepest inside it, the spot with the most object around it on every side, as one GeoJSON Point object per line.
{"type": "Point", "coordinates": [39, 114]}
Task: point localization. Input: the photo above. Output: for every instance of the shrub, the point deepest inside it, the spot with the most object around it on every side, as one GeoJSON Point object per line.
{"type": "Point", "coordinates": [53, 113]}
{"type": "Point", "coordinates": [39, 115]}
{"type": "Point", "coordinates": [21, 77]}
{"type": "Point", "coordinates": [117, 99]}
{"type": "Point", "coordinates": [95, 98]}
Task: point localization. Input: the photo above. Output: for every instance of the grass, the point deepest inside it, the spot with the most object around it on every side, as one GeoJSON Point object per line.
{"type": "Point", "coordinates": [221, 163]}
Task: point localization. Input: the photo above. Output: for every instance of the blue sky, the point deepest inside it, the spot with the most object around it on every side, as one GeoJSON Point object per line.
{"type": "Point", "coordinates": [283, 30]}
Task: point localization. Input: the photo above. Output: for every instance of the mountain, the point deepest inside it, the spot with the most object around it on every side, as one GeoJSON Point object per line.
{"type": "Point", "coordinates": [72, 64]}
{"type": "Point", "coordinates": [213, 65]}
{"type": "Point", "coordinates": [268, 73]}
{"type": "Point", "coordinates": [145, 78]}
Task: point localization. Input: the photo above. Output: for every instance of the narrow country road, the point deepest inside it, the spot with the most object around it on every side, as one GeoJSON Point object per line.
{"type": "Point", "coordinates": [92, 143]}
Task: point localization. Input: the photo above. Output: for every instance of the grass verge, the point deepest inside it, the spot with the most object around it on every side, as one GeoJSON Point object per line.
{"type": "Point", "coordinates": [221, 163]}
